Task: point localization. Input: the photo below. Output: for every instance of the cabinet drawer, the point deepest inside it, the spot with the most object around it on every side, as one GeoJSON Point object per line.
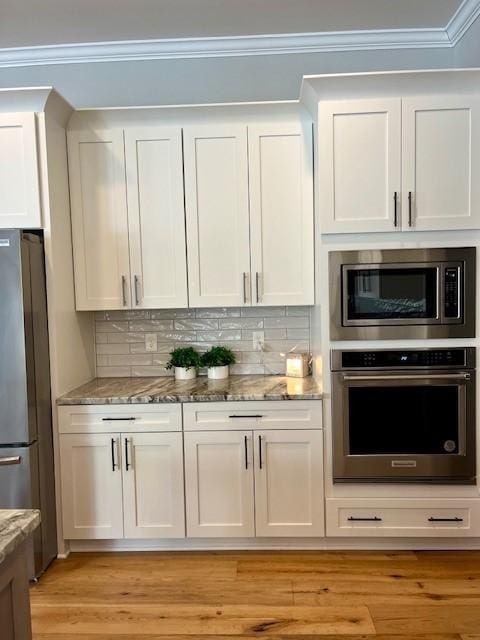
{"type": "Point", "coordinates": [283, 414]}
{"type": "Point", "coordinates": [120, 418]}
{"type": "Point", "coordinates": [403, 518]}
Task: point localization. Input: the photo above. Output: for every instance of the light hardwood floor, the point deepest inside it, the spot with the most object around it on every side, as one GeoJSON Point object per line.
{"type": "Point", "coordinates": [221, 596]}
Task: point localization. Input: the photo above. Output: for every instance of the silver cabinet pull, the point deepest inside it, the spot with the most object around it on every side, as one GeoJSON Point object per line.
{"type": "Point", "coordinates": [124, 290]}
{"type": "Point", "coordinates": [4, 462]}
{"type": "Point", "coordinates": [257, 278]}
{"type": "Point", "coordinates": [136, 282]}
{"type": "Point", "coordinates": [409, 208]}
{"type": "Point", "coordinates": [395, 202]}
{"type": "Point", "coordinates": [244, 287]}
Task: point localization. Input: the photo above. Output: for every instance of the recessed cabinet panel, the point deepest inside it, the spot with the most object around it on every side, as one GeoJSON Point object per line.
{"type": "Point", "coordinates": [216, 197]}
{"type": "Point", "coordinates": [91, 486]}
{"type": "Point", "coordinates": [99, 219]}
{"type": "Point", "coordinates": [359, 165]}
{"type": "Point", "coordinates": [441, 157]}
{"type": "Point", "coordinates": [156, 217]}
{"type": "Point", "coordinates": [219, 484]}
{"type": "Point", "coordinates": [153, 485]}
{"type": "Point", "coordinates": [281, 213]}
{"type": "Point", "coordinates": [19, 180]}
{"type": "Point", "coordinates": [289, 483]}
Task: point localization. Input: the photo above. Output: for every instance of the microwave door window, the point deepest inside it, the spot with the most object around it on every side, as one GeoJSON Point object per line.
{"type": "Point", "coordinates": [382, 294]}
{"type": "Point", "coordinates": [421, 419]}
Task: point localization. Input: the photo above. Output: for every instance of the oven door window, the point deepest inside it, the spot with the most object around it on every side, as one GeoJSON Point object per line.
{"type": "Point", "coordinates": [392, 293]}
{"type": "Point", "coordinates": [414, 419]}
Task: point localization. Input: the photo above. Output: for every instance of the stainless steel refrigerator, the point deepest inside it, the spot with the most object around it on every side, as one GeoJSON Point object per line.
{"type": "Point", "coordinates": [26, 447]}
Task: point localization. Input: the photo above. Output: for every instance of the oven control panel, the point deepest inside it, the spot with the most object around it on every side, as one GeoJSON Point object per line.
{"type": "Point", "coordinates": [396, 359]}
{"type": "Point", "coordinates": [451, 297]}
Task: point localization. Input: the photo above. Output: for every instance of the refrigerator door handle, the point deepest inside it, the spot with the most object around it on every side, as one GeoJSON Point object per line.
{"type": "Point", "coordinates": [10, 460]}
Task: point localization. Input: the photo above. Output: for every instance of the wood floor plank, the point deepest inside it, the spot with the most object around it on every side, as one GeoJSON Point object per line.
{"type": "Point", "coordinates": [164, 591]}
{"type": "Point", "coordinates": [201, 620]}
{"type": "Point", "coordinates": [426, 619]}
{"type": "Point", "coordinates": [325, 592]}
{"type": "Point", "coordinates": [89, 636]}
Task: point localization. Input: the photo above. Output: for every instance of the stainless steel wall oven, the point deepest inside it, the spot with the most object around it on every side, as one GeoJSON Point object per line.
{"type": "Point", "coordinates": [402, 293]}
{"type": "Point", "coordinates": [404, 415]}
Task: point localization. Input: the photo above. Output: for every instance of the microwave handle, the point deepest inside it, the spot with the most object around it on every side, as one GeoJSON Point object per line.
{"type": "Point", "coordinates": [424, 376]}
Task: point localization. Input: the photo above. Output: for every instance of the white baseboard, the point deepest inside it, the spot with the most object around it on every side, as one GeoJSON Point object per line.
{"type": "Point", "coordinates": [276, 544]}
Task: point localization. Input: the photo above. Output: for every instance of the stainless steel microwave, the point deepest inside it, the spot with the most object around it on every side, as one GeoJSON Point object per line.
{"type": "Point", "coordinates": [402, 293]}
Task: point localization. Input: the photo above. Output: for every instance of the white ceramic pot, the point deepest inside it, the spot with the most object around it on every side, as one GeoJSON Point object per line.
{"type": "Point", "coordinates": [181, 373]}
{"type": "Point", "coordinates": [218, 373]}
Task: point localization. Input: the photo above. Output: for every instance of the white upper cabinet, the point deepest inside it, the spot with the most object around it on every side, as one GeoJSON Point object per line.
{"type": "Point", "coordinates": [99, 219]}
{"type": "Point", "coordinates": [19, 179]}
{"type": "Point", "coordinates": [216, 198]}
{"type": "Point", "coordinates": [156, 217]}
{"type": "Point", "coordinates": [399, 164]}
{"type": "Point", "coordinates": [359, 165]}
{"type": "Point", "coordinates": [441, 162]}
{"type": "Point", "coordinates": [281, 213]}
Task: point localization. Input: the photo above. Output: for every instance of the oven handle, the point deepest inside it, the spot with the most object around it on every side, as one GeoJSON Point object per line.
{"type": "Point", "coordinates": [433, 376]}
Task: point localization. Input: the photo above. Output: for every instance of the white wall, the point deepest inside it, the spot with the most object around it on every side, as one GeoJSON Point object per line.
{"type": "Point", "coordinates": [207, 80]}
{"type": "Point", "coordinates": [467, 51]}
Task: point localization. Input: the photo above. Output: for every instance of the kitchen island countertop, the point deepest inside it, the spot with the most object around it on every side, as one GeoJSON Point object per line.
{"type": "Point", "coordinates": [15, 527]}
{"type": "Point", "coordinates": [166, 389]}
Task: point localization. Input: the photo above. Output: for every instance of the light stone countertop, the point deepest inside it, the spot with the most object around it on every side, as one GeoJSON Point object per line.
{"type": "Point", "coordinates": [16, 525]}
{"type": "Point", "coordinates": [167, 389]}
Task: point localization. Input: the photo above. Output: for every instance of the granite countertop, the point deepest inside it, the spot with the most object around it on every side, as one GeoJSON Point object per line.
{"type": "Point", "coordinates": [15, 527]}
{"type": "Point", "coordinates": [167, 389]}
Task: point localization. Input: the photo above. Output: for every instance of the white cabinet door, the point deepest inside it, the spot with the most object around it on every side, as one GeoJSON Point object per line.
{"type": "Point", "coordinates": [216, 198]}
{"type": "Point", "coordinates": [289, 483]}
{"type": "Point", "coordinates": [19, 180]}
{"type": "Point", "coordinates": [91, 486]}
{"type": "Point", "coordinates": [156, 217]}
{"type": "Point", "coordinates": [359, 155]}
{"type": "Point", "coordinates": [441, 162]}
{"type": "Point", "coordinates": [99, 219]}
{"type": "Point", "coordinates": [219, 484]}
{"type": "Point", "coordinates": [281, 213]}
{"type": "Point", "coordinates": [153, 485]}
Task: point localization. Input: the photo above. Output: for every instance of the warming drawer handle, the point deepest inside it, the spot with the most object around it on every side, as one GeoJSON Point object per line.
{"type": "Point", "coordinates": [4, 462]}
{"type": "Point", "coordinates": [433, 376]}
{"type": "Point", "coordinates": [445, 519]}
{"type": "Point", "coordinates": [374, 519]}
{"type": "Point", "coordinates": [118, 419]}
{"type": "Point", "coordinates": [252, 416]}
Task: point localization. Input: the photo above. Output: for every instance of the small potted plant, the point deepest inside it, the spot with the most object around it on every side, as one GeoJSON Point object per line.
{"type": "Point", "coordinates": [185, 362]}
{"type": "Point", "coordinates": [217, 360]}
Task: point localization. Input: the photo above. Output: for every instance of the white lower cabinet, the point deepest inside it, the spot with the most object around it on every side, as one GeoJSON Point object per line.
{"type": "Point", "coordinates": [247, 483]}
{"type": "Point", "coordinates": [91, 486]}
{"type": "Point", "coordinates": [219, 484]}
{"type": "Point", "coordinates": [118, 485]}
{"type": "Point", "coordinates": [289, 483]}
{"type": "Point", "coordinates": [434, 518]}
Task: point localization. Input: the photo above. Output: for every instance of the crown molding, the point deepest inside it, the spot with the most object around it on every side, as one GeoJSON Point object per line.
{"type": "Point", "coordinates": [221, 47]}
{"type": "Point", "coordinates": [462, 20]}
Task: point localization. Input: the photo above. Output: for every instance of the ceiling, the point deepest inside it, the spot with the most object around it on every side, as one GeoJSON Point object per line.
{"type": "Point", "coordinates": [34, 32]}
{"type": "Point", "coordinates": [25, 23]}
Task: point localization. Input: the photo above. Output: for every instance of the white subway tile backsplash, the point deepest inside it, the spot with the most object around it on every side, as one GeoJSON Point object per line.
{"type": "Point", "coordinates": [120, 337]}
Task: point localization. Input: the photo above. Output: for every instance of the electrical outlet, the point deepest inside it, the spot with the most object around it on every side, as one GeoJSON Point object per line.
{"type": "Point", "coordinates": [151, 342]}
{"type": "Point", "coordinates": [258, 338]}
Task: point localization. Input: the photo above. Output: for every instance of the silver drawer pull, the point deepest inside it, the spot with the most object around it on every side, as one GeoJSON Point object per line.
{"type": "Point", "coordinates": [252, 416]}
{"type": "Point", "coordinates": [12, 460]}
{"type": "Point", "coordinates": [118, 419]}
{"type": "Point", "coordinates": [374, 519]}
{"type": "Point", "coordinates": [445, 519]}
